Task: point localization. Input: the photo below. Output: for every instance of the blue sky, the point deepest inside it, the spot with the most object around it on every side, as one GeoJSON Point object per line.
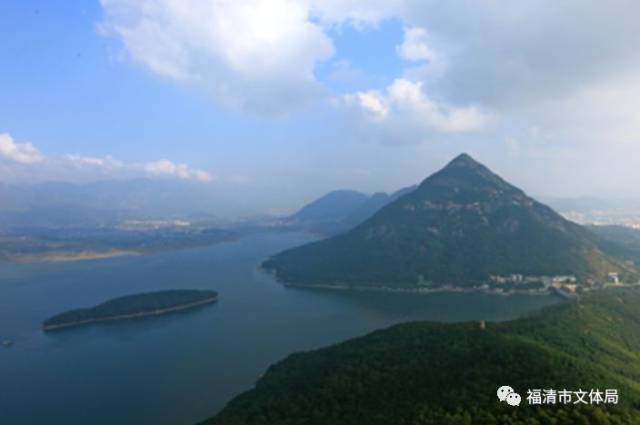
{"type": "Point", "coordinates": [257, 95]}
{"type": "Point", "coordinates": [66, 91]}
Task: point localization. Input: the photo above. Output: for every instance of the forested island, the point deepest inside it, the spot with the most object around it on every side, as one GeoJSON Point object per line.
{"type": "Point", "coordinates": [133, 306]}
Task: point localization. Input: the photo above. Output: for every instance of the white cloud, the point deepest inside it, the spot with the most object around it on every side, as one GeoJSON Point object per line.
{"type": "Point", "coordinates": [372, 102]}
{"type": "Point", "coordinates": [255, 54]}
{"type": "Point", "coordinates": [415, 46]}
{"type": "Point", "coordinates": [26, 163]}
{"type": "Point", "coordinates": [107, 162]}
{"type": "Point", "coordinates": [182, 171]}
{"type": "Point", "coordinates": [23, 153]}
{"type": "Point", "coordinates": [406, 100]}
{"type": "Point", "coordinates": [359, 13]}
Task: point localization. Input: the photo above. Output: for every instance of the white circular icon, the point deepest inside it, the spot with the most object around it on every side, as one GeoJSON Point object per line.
{"type": "Point", "coordinates": [504, 391]}
{"type": "Point", "coordinates": [513, 399]}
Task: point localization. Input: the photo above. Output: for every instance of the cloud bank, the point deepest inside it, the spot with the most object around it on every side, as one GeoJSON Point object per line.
{"type": "Point", "coordinates": [23, 153]}
{"type": "Point", "coordinates": [260, 55]}
{"type": "Point", "coordinates": [24, 162]}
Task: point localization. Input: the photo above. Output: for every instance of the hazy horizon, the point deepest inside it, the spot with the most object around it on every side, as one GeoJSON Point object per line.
{"type": "Point", "coordinates": [251, 200]}
{"type": "Point", "coordinates": [371, 96]}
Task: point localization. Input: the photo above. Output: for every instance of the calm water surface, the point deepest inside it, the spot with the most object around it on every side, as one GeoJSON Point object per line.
{"type": "Point", "coordinates": [180, 369]}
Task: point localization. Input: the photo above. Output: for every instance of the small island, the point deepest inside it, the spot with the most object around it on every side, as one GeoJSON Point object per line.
{"type": "Point", "coordinates": [133, 307]}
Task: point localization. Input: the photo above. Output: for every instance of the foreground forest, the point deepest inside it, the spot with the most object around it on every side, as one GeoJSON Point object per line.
{"type": "Point", "coordinates": [429, 373]}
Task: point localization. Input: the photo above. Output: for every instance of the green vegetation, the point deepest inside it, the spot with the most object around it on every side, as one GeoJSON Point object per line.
{"type": "Point", "coordinates": [460, 226]}
{"type": "Point", "coordinates": [623, 240]}
{"type": "Point", "coordinates": [130, 306]}
{"type": "Point", "coordinates": [441, 374]}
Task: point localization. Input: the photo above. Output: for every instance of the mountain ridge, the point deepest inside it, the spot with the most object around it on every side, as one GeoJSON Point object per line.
{"type": "Point", "coordinates": [340, 210]}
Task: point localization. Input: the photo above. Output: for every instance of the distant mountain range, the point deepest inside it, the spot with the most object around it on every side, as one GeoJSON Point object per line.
{"type": "Point", "coordinates": [460, 226]}
{"type": "Point", "coordinates": [341, 210]}
{"type": "Point", "coordinates": [103, 203]}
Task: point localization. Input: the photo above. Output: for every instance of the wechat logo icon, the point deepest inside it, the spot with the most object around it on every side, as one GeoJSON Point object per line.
{"type": "Point", "coordinates": [508, 395]}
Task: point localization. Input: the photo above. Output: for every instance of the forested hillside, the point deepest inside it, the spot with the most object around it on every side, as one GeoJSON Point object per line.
{"type": "Point", "coordinates": [439, 374]}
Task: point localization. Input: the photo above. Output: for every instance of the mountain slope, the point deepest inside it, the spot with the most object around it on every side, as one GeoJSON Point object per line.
{"type": "Point", "coordinates": [624, 241]}
{"type": "Point", "coordinates": [366, 210]}
{"type": "Point", "coordinates": [441, 374]}
{"type": "Point", "coordinates": [332, 207]}
{"type": "Point", "coordinates": [372, 206]}
{"type": "Point", "coordinates": [460, 226]}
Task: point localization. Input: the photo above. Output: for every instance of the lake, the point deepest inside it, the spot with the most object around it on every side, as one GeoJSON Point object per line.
{"type": "Point", "coordinates": [180, 369]}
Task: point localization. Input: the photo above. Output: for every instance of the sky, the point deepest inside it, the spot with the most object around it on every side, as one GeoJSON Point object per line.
{"type": "Point", "coordinates": [293, 98]}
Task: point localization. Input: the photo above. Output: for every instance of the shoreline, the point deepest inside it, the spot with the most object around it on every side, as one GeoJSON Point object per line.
{"type": "Point", "coordinates": [416, 291]}
{"type": "Point", "coordinates": [550, 290]}
{"type": "Point", "coordinates": [421, 291]}
{"type": "Point", "coordinates": [160, 312]}
{"type": "Point", "coordinates": [70, 256]}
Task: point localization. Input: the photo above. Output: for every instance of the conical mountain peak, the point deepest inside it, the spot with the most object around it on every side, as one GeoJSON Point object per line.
{"type": "Point", "coordinates": [464, 174]}
{"type": "Point", "coordinates": [463, 160]}
{"type": "Point", "coordinates": [461, 226]}
{"type": "Point", "coordinates": [465, 165]}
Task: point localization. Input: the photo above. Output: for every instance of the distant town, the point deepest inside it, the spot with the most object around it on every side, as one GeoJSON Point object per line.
{"type": "Point", "coordinates": [561, 284]}
{"type": "Point", "coordinates": [605, 217]}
